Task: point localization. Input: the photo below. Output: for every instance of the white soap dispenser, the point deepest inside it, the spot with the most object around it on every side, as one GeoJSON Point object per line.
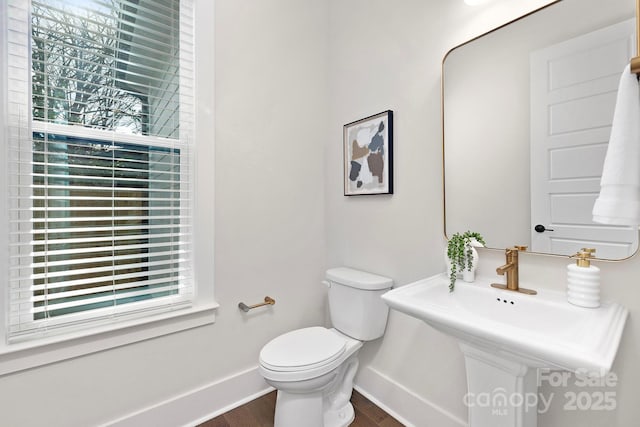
{"type": "Point", "coordinates": [583, 280]}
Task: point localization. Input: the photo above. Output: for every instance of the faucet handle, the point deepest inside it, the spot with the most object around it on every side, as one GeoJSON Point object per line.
{"type": "Point", "coordinates": [590, 251]}
{"type": "Point", "coordinates": [521, 248]}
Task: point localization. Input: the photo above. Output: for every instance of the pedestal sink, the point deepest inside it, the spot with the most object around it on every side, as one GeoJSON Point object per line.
{"type": "Point", "coordinates": [506, 337]}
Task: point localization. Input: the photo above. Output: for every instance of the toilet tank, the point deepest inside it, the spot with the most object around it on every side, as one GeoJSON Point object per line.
{"type": "Point", "coordinates": [355, 305]}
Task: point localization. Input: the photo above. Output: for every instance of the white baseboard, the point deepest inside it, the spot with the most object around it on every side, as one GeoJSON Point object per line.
{"type": "Point", "coordinates": [199, 405]}
{"type": "Point", "coordinates": [403, 404]}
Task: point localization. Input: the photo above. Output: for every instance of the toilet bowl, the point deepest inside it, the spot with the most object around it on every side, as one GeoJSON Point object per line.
{"type": "Point", "coordinates": [313, 368]}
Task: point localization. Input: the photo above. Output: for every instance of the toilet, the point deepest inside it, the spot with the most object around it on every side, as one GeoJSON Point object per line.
{"type": "Point", "coordinates": [313, 368]}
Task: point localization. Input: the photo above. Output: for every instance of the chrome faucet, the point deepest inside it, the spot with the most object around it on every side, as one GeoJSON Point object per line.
{"type": "Point", "coordinates": [510, 269]}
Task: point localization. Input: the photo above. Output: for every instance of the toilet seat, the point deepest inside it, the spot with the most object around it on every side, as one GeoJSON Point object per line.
{"type": "Point", "coordinates": [302, 350]}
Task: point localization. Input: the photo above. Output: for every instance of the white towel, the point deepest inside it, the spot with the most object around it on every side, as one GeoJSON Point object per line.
{"type": "Point", "coordinates": [619, 200]}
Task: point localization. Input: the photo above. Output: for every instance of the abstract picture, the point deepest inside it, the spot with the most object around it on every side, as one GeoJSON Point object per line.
{"type": "Point", "coordinates": [368, 155]}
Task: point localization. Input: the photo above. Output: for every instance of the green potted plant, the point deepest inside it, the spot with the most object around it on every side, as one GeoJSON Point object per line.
{"type": "Point", "coordinates": [462, 256]}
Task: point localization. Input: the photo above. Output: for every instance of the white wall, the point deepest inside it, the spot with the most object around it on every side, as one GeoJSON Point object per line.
{"type": "Point", "coordinates": [271, 106]}
{"type": "Point", "coordinates": [387, 55]}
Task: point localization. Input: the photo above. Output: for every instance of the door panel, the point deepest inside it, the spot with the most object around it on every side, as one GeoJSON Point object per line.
{"type": "Point", "coordinates": [573, 93]}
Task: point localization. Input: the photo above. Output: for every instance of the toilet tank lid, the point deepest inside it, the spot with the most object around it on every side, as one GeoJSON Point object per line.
{"type": "Point", "coordinates": [358, 279]}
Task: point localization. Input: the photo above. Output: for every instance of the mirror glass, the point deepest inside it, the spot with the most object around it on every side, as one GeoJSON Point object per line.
{"type": "Point", "coordinates": [527, 112]}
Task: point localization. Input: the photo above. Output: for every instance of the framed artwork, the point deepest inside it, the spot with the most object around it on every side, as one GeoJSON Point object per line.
{"type": "Point", "coordinates": [368, 155]}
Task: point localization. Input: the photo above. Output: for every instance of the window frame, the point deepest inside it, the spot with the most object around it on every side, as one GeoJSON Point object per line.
{"type": "Point", "coordinates": [29, 354]}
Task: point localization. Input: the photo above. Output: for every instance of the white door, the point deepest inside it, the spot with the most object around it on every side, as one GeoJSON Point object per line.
{"type": "Point", "coordinates": [573, 94]}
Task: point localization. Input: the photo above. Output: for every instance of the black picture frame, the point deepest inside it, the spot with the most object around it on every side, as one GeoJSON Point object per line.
{"type": "Point", "coordinates": [368, 155]}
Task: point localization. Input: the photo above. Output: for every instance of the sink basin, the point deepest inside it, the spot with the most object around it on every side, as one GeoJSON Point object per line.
{"type": "Point", "coordinates": [507, 337]}
{"type": "Point", "coordinates": [543, 330]}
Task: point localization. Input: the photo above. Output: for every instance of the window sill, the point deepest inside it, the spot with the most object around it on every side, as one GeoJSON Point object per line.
{"type": "Point", "coordinates": [26, 355]}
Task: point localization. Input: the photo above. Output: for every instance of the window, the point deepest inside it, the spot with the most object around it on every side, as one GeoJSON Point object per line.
{"type": "Point", "coordinates": [100, 149]}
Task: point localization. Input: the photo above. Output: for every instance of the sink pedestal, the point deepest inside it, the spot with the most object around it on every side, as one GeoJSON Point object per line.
{"type": "Point", "coordinates": [500, 392]}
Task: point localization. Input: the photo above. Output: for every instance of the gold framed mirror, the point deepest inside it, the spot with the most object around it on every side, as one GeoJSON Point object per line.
{"type": "Point", "coordinates": [635, 62]}
{"type": "Point", "coordinates": [493, 120]}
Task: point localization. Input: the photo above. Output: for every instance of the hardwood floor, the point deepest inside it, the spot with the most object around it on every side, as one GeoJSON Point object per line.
{"type": "Point", "coordinates": [259, 413]}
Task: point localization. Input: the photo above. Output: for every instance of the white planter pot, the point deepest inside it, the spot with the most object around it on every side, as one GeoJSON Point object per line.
{"type": "Point", "coordinates": [465, 274]}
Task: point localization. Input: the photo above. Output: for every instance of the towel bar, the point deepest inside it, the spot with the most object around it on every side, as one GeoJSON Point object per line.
{"type": "Point", "coordinates": [267, 301]}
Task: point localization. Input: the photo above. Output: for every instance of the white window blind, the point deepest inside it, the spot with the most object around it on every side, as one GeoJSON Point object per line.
{"type": "Point", "coordinates": [100, 158]}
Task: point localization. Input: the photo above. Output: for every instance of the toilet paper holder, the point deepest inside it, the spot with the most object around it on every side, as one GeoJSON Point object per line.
{"type": "Point", "coordinates": [267, 301]}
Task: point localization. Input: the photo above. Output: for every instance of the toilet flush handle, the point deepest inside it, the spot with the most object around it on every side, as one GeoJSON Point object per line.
{"type": "Point", "coordinates": [327, 283]}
